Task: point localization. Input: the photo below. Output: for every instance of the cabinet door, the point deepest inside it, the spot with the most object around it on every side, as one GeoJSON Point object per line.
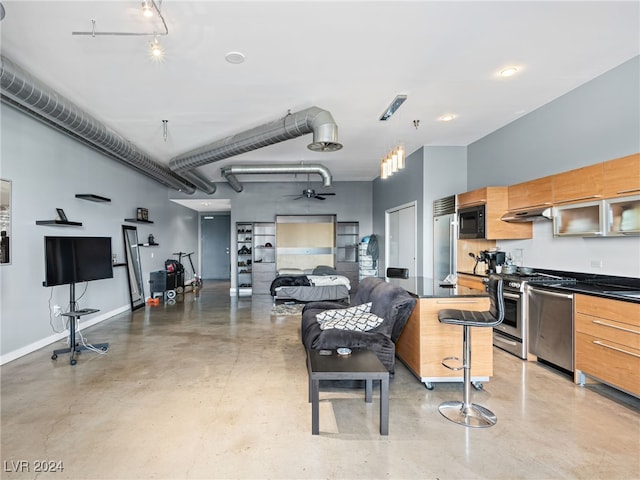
{"type": "Point", "coordinates": [474, 197]}
{"type": "Point", "coordinates": [536, 193]}
{"type": "Point", "coordinates": [622, 176]}
{"type": "Point", "coordinates": [578, 185]}
{"type": "Point", "coordinates": [579, 220]}
{"type": "Point", "coordinates": [623, 216]}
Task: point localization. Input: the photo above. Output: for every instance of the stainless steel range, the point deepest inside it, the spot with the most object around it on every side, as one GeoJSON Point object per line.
{"type": "Point", "coordinates": [511, 335]}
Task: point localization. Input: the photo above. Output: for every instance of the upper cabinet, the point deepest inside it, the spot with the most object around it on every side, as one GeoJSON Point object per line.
{"type": "Point", "coordinates": [535, 193]}
{"type": "Point", "coordinates": [579, 185]}
{"type": "Point", "coordinates": [496, 202]}
{"type": "Point", "coordinates": [622, 176]}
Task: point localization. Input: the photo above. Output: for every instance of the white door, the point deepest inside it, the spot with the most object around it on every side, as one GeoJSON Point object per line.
{"type": "Point", "coordinates": [401, 238]}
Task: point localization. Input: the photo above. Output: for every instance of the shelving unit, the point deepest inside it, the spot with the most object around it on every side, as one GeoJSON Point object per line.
{"type": "Point", "coordinates": [264, 256]}
{"type": "Point", "coordinates": [135, 220]}
{"type": "Point", "coordinates": [347, 239]}
{"type": "Point", "coordinates": [92, 198]}
{"type": "Point", "coordinates": [244, 245]}
{"type": "Point", "coordinates": [59, 223]}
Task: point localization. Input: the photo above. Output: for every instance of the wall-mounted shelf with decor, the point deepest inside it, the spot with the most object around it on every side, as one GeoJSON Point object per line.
{"type": "Point", "coordinates": [59, 223]}
{"type": "Point", "coordinates": [135, 220]}
{"type": "Point", "coordinates": [148, 244]}
{"type": "Point", "coordinates": [92, 198]}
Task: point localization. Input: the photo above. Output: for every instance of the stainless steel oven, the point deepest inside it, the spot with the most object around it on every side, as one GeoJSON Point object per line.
{"type": "Point", "coordinates": [511, 334]}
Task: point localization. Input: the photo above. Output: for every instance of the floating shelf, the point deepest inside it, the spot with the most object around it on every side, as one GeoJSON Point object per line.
{"type": "Point", "coordinates": [119, 264]}
{"type": "Point", "coordinates": [148, 244]}
{"type": "Point", "coordinates": [59, 223]}
{"type": "Point", "coordinates": [92, 198]}
{"type": "Point", "coordinates": [135, 220]}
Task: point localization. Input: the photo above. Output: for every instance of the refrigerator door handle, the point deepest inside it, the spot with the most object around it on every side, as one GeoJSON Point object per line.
{"type": "Point", "coordinates": [453, 235]}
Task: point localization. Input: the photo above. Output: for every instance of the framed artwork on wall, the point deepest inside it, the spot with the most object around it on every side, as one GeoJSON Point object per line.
{"type": "Point", "coordinates": [5, 221]}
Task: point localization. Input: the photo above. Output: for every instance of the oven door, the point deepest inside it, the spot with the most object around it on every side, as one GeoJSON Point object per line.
{"type": "Point", "coordinates": [510, 334]}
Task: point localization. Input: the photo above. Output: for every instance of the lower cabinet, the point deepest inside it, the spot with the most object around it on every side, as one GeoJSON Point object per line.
{"type": "Point", "coordinates": [425, 342]}
{"type": "Point", "coordinates": [607, 342]}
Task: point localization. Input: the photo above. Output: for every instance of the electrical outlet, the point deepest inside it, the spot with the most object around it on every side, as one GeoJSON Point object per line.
{"type": "Point", "coordinates": [57, 310]}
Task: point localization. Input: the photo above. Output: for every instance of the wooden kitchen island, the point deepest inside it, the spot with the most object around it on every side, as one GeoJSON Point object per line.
{"type": "Point", "coordinates": [425, 342]}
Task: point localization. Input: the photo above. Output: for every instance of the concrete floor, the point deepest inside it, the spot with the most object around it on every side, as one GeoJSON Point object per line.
{"type": "Point", "coordinates": [216, 387]}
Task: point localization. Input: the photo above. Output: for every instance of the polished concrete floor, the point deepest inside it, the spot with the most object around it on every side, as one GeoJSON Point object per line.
{"type": "Point", "coordinates": [216, 387]}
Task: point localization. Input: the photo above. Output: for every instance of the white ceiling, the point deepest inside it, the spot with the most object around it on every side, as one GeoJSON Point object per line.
{"type": "Point", "coordinates": [348, 57]}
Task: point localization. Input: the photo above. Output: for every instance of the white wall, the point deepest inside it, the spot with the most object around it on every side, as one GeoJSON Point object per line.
{"type": "Point", "coordinates": [47, 169]}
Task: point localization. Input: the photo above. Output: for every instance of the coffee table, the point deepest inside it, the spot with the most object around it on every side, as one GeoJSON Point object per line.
{"type": "Point", "coordinates": [359, 365]}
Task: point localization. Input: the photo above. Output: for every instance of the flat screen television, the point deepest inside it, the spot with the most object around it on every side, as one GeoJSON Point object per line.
{"type": "Point", "coordinates": [76, 259]}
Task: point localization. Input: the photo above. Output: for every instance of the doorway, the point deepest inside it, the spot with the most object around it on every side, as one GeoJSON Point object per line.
{"type": "Point", "coordinates": [400, 232]}
{"type": "Point", "coordinates": [215, 236]}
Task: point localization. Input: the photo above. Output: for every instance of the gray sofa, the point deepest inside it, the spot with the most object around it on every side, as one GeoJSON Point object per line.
{"type": "Point", "coordinates": [392, 303]}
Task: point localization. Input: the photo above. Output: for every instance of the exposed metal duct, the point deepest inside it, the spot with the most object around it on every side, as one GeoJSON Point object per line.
{"type": "Point", "coordinates": [311, 120]}
{"type": "Point", "coordinates": [21, 90]}
{"type": "Point", "coordinates": [230, 171]}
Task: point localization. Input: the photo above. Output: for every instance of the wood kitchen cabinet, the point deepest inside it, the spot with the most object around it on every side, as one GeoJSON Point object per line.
{"type": "Point", "coordinates": [535, 193]}
{"type": "Point", "coordinates": [579, 185]}
{"type": "Point", "coordinates": [622, 176]}
{"type": "Point", "coordinates": [425, 342]}
{"type": "Point", "coordinates": [496, 201]}
{"type": "Point", "coordinates": [472, 281]}
{"type": "Point", "coordinates": [607, 342]}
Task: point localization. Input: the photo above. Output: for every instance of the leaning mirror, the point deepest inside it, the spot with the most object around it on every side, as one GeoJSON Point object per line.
{"type": "Point", "coordinates": [5, 221]}
{"type": "Point", "coordinates": [134, 266]}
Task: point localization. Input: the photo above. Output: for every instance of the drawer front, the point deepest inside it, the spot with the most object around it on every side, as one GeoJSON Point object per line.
{"type": "Point", "coordinates": [618, 310]}
{"type": "Point", "coordinates": [611, 330]}
{"type": "Point", "coordinates": [615, 364]}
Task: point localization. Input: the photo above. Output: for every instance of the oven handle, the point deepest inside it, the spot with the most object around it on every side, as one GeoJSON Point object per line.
{"type": "Point", "coordinates": [550, 293]}
{"type": "Point", "coordinates": [504, 340]}
{"type": "Point", "coordinates": [513, 296]}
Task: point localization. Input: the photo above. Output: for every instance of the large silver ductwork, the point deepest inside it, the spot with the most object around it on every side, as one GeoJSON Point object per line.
{"type": "Point", "coordinates": [230, 171]}
{"type": "Point", "coordinates": [21, 90]}
{"type": "Point", "coordinates": [311, 120]}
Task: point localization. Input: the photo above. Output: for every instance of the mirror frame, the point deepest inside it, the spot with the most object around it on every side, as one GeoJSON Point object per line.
{"type": "Point", "coordinates": [134, 266]}
{"type": "Point", "coordinates": [5, 221]}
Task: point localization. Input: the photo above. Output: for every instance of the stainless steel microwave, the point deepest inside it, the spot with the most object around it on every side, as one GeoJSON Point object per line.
{"type": "Point", "coordinates": [471, 222]}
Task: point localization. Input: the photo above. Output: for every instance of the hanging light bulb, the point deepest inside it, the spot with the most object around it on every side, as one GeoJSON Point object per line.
{"type": "Point", "coordinates": [156, 50]}
{"type": "Point", "coordinates": [394, 162]}
{"type": "Point", "coordinates": [147, 11]}
{"type": "Point", "coordinates": [383, 169]}
{"type": "Point", "coordinates": [400, 153]}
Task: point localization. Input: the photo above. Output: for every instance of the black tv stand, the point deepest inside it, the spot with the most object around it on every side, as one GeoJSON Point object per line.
{"type": "Point", "coordinates": [74, 316]}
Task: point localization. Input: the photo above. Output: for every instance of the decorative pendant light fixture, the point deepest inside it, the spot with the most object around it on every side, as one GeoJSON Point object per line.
{"type": "Point", "coordinates": [392, 162]}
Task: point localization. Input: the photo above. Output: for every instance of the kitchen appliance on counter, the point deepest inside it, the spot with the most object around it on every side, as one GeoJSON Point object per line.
{"type": "Point", "coordinates": [445, 233]}
{"type": "Point", "coordinates": [512, 335]}
{"type": "Point", "coordinates": [493, 259]}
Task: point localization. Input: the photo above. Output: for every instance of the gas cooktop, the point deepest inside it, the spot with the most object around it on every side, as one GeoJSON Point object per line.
{"type": "Point", "coordinates": [518, 280]}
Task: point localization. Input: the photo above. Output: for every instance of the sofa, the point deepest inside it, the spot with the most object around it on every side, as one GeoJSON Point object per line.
{"type": "Point", "coordinates": [391, 305]}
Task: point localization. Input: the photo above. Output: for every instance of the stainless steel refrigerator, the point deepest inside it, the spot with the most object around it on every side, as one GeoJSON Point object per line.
{"type": "Point", "coordinates": [445, 234]}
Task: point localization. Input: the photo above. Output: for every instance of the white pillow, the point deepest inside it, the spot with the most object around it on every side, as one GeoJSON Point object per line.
{"type": "Point", "coordinates": [340, 313]}
{"type": "Point", "coordinates": [359, 323]}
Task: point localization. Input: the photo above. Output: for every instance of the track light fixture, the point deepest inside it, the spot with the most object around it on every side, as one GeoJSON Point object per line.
{"type": "Point", "coordinates": [392, 162]}
{"type": "Point", "coordinates": [147, 9]}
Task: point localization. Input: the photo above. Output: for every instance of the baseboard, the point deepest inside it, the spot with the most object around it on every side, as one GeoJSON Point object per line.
{"type": "Point", "coordinates": [56, 337]}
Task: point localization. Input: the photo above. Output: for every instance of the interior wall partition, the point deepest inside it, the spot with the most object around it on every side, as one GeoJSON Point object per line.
{"type": "Point", "coordinates": [305, 241]}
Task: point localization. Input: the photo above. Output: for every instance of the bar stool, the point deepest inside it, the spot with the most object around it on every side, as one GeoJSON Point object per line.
{"type": "Point", "coordinates": [467, 413]}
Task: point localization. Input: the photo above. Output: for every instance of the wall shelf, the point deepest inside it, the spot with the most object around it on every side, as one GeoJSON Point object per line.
{"type": "Point", "coordinates": [135, 220]}
{"type": "Point", "coordinates": [119, 264]}
{"type": "Point", "coordinates": [148, 244]}
{"type": "Point", "coordinates": [59, 223]}
{"type": "Point", "coordinates": [92, 198]}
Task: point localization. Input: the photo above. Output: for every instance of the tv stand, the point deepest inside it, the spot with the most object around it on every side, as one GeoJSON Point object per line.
{"type": "Point", "coordinates": [74, 316]}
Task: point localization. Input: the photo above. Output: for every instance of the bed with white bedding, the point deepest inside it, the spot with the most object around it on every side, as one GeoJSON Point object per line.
{"type": "Point", "coordinates": [322, 283]}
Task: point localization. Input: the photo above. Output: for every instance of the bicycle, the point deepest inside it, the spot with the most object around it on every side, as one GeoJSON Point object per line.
{"type": "Point", "coordinates": [197, 280]}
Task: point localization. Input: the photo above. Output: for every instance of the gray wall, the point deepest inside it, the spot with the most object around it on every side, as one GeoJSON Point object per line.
{"type": "Point", "coordinates": [47, 169]}
{"type": "Point", "coordinates": [598, 121]}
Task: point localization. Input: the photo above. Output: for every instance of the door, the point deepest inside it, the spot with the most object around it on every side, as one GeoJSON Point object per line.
{"type": "Point", "coordinates": [216, 242]}
{"type": "Point", "coordinates": [401, 238]}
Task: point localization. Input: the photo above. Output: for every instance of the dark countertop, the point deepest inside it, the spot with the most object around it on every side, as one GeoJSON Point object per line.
{"type": "Point", "coordinates": [424, 287]}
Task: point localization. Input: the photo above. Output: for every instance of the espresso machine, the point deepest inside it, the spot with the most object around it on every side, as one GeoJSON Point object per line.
{"type": "Point", "coordinates": [493, 259]}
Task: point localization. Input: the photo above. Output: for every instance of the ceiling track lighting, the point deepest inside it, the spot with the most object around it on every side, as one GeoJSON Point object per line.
{"type": "Point", "coordinates": [392, 162]}
{"type": "Point", "coordinates": [393, 106]}
{"type": "Point", "coordinates": [148, 9]}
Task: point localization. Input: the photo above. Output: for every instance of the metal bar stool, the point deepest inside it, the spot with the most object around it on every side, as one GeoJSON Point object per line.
{"type": "Point", "coordinates": [467, 413]}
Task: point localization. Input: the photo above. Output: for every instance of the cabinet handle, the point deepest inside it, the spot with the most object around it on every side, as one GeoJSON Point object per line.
{"type": "Point", "coordinates": [579, 198]}
{"type": "Point", "coordinates": [604, 324]}
{"type": "Point", "coordinates": [445, 302]}
{"type": "Point", "coordinates": [598, 342]}
{"type": "Point", "coordinates": [631, 190]}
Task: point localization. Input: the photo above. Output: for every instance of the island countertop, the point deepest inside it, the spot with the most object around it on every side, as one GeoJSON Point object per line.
{"type": "Point", "coordinates": [424, 287]}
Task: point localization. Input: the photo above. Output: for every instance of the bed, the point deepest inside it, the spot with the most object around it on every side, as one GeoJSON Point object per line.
{"type": "Point", "coordinates": [321, 283]}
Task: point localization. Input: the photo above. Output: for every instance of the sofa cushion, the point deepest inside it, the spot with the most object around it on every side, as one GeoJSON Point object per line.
{"type": "Point", "coordinates": [362, 322]}
{"type": "Point", "coordinates": [341, 313]}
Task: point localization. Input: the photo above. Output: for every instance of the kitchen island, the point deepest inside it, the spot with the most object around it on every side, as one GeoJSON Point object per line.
{"type": "Point", "coordinates": [425, 342]}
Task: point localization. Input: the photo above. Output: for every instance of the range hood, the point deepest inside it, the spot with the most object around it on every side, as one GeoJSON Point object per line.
{"type": "Point", "coordinates": [530, 215]}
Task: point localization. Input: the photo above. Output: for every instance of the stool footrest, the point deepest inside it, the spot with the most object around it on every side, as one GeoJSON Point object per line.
{"type": "Point", "coordinates": [450, 366]}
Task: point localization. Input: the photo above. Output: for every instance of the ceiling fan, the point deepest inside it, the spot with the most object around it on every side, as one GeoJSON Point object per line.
{"type": "Point", "coordinates": [311, 193]}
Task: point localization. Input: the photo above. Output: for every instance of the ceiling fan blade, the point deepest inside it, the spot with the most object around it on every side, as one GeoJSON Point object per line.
{"type": "Point", "coordinates": [325, 194]}
{"type": "Point", "coordinates": [318, 198]}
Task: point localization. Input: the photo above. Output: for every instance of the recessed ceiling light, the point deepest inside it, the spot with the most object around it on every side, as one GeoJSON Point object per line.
{"type": "Point", "coordinates": [235, 58]}
{"type": "Point", "coordinates": [446, 117]}
{"type": "Point", "coordinates": [508, 72]}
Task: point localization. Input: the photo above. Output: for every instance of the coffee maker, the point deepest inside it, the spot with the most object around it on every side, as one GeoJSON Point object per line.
{"type": "Point", "coordinates": [493, 259]}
